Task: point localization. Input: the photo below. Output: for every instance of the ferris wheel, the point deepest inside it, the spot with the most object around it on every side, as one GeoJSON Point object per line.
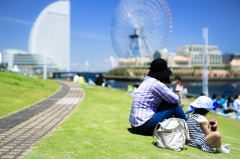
{"type": "Point", "coordinates": [140, 27]}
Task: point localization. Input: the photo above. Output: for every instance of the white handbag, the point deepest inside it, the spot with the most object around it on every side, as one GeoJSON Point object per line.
{"type": "Point", "coordinates": [171, 134]}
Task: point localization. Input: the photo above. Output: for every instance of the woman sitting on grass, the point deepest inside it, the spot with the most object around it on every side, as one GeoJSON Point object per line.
{"type": "Point", "coordinates": [154, 101]}
{"type": "Point", "coordinates": [200, 134]}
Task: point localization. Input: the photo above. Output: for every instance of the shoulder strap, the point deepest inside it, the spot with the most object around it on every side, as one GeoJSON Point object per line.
{"type": "Point", "coordinates": [186, 131]}
{"type": "Point", "coordinates": [156, 129]}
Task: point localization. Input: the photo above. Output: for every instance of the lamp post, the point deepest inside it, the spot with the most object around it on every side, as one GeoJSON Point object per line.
{"type": "Point", "coordinates": [205, 62]}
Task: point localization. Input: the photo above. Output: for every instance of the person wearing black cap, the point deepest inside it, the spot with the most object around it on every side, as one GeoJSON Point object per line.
{"type": "Point", "coordinates": [154, 101]}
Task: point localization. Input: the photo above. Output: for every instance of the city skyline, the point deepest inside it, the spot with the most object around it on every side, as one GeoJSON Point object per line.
{"type": "Point", "coordinates": [91, 26]}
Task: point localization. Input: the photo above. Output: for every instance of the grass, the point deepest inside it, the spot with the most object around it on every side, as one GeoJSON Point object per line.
{"type": "Point", "coordinates": [99, 128]}
{"type": "Point", "coordinates": [18, 91]}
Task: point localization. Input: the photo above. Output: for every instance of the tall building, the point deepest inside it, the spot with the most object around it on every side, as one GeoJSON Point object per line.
{"type": "Point", "coordinates": [50, 34]}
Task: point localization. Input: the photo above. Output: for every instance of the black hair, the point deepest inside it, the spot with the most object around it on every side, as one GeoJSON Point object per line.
{"type": "Point", "coordinates": [136, 85]}
{"type": "Point", "coordinates": [214, 96]}
{"type": "Point", "coordinates": [223, 96]}
{"type": "Point", "coordinates": [201, 111]}
{"type": "Point", "coordinates": [101, 76]}
{"type": "Point", "coordinates": [229, 99]}
{"type": "Point", "coordinates": [177, 77]}
{"type": "Point", "coordinates": [236, 97]}
{"type": "Point", "coordinates": [165, 80]}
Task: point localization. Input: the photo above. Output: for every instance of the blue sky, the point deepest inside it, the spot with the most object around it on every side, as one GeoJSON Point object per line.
{"type": "Point", "coordinates": [91, 27]}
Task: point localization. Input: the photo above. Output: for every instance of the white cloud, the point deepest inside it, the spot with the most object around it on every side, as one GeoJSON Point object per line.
{"type": "Point", "coordinates": [16, 20]}
{"type": "Point", "coordinates": [172, 53]}
{"type": "Point", "coordinates": [92, 36]}
{"type": "Point", "coordinates": [106, 60]}
{"type": "Point", "coordinates": [74, 64]}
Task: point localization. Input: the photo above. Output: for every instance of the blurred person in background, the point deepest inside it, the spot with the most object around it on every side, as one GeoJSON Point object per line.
{"type": "Point", "coordinates": [101, 81]}
{"type": "Point", "coordinates": [236, 104]}
{"type": "Point", "coordinates": [215, 101]}
{"type": "Point", "coordinates": [179, 88]}
{"type": "Point", "coordinates": [228, 106]}
{"type": "Point", "coordinates": [179, 84]}
{"type": "Point", "coordinates": [222, 101]}
{"type": "Point", "coordinates": [81, 79]}
{"type": "Point", "coordinates": [229, 102]}
{"type": "Point", "coordinates": [75, 78]}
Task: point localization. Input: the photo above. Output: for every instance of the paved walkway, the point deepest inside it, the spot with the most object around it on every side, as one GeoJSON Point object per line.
{"type": "Point", "coordinates": [24, 128]}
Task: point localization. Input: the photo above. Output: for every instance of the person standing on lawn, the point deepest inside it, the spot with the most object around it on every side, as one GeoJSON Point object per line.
{"type": "Point", "coordinates": [154, 101]}
{"type": "Point", "coordinates": [179, 88]}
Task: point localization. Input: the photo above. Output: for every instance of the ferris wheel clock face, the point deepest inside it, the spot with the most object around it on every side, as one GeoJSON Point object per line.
{"type": "Point", "coordinates": [140, 26]}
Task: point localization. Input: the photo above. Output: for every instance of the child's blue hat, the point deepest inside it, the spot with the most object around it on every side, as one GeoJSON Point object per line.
{"type": "Point", "coordinates": [201, 102]}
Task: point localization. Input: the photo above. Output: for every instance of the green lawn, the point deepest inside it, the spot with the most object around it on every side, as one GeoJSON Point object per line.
{"type": "Point", "coordinates": [99, 128]}
{"type": "Point", "coordinates": [18, 91]}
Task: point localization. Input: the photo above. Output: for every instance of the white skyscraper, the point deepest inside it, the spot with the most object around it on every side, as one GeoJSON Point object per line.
{"type": "Point", "coordinates": [50, 34]}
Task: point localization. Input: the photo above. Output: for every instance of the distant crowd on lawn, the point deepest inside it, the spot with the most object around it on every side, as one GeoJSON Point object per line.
{"type": "Point", "coordinates": [228, 105]}
{"type": "Point", "coordinates": [100, 80]}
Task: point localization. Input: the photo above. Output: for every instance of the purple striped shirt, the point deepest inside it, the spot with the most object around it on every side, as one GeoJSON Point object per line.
{"type": "Point", "coordinates": [147, 99]}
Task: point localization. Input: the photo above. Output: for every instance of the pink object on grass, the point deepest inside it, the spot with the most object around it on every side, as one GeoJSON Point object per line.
{"type": "Point", "coordinates": [213, 124]}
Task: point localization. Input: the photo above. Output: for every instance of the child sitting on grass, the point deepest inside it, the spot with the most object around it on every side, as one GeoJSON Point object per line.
{"type": "Point", "coordinates": [200, 134]}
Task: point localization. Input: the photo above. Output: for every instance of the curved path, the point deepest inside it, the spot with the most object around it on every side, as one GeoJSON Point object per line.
{"type": "Point", "coordinates": [24, 128]}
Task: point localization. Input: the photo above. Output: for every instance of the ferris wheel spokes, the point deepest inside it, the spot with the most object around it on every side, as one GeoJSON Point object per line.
{"type": "Point", "coordinates": [141, 26]}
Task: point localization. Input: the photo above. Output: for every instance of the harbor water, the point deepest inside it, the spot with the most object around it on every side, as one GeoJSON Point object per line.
{"type": "Point", "coordinates": [218, 88]}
